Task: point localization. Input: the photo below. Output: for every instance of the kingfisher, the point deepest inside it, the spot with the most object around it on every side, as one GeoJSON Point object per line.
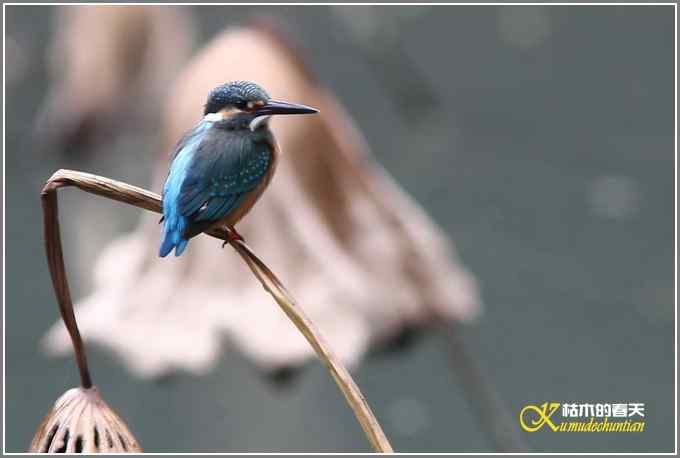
{"type": "Point", "coordinates": [221, 167]}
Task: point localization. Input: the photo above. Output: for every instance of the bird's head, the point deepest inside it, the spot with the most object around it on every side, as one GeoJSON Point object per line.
{"type": "Point", "coordinates": [248, 105]}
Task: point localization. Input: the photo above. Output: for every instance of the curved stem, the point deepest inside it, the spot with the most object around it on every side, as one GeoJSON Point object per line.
{"type": "Point", "coordinates": [55, 262]}
{"type": "Point", "coordinates": [142, 198]}
{"type": "Point", "coordinates": [351, 391]}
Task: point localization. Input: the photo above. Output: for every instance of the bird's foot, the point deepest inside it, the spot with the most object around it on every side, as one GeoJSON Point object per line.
{"type": "Point", "coordinates": [232, 236]}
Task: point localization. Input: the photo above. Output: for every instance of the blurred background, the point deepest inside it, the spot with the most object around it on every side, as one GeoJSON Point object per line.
{"type": "Point", "coordinates": [539, 138]}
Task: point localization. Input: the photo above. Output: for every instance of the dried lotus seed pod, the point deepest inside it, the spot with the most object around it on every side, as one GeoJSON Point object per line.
{"type": "Point", "coordinates": [82, 422]}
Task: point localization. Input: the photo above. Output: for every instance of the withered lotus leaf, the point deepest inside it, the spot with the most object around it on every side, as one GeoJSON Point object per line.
{"type": "Point", "coordinates": [361, 257]}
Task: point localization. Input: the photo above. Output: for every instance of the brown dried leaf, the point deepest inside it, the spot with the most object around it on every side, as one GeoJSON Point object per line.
{"type": "Point", "coordinates": [101, 60]}
{"type": "Point", "coordinates": [361, 257]}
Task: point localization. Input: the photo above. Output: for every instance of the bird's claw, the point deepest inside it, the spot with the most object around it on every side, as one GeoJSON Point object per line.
{"type": "Point", "coordinates": [232, 237]}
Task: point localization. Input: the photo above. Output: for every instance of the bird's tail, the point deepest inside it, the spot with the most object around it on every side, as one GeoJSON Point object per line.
{"type": "Point", "coordinates": [172, 239]}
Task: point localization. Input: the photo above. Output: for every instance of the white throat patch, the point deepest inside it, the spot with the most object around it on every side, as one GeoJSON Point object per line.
{"type": "Point", "coordinates": [213, 117]}
{"type": "Point", "coordinates": [257, 122]}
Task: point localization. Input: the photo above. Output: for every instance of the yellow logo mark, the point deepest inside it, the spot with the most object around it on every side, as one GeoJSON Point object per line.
{"type": "Point", "coordinates": [541, 417]}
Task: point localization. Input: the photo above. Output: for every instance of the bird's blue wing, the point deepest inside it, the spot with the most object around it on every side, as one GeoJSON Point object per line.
{"type": "Point", "coordinates": [224, 169]}
{"type": "Point", "coordinates": [209, 177]}
{"type": "Point", "coordinates": [174, 224]}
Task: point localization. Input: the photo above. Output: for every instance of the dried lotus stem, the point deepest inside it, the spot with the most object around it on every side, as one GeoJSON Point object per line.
{"type": "Point", "coordinates": [142, 198]}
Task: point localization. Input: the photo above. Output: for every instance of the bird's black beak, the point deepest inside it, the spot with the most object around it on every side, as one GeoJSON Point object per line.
{"type": "Point", "coordinates": [278, 107]}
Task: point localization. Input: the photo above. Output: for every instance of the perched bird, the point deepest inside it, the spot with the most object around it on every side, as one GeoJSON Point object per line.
{"type": "Point", "coordinates": [223, 165]}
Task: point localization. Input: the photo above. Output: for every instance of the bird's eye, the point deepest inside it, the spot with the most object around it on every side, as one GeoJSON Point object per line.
{"type": "Point", "coordinates": [241, 105]}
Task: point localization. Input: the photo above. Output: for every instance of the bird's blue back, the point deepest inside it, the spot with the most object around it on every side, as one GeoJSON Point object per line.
{"type": "Point", "coordinates": [211, 172]}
